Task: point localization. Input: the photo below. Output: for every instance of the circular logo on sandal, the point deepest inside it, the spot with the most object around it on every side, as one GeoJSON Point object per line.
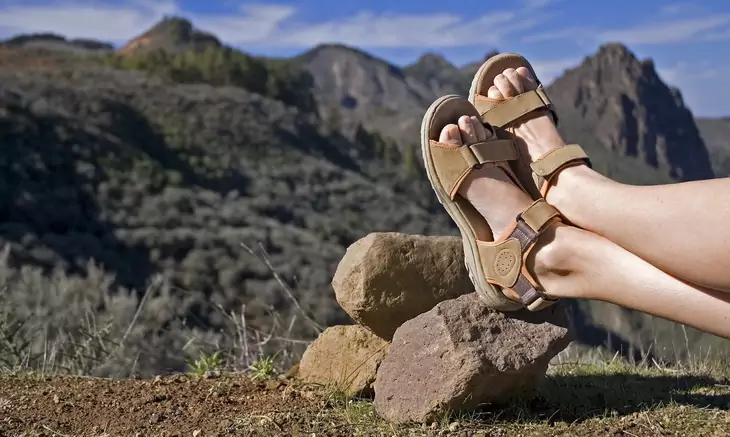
{"type": "Point", "coordinates": [504, 262]}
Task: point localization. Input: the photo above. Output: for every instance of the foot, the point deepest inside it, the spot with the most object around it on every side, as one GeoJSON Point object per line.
{"type": "Point", "coordinates": [496, 197]}
{"type": "Point", "coordinates": [488, 189]}
{"type": "Point", "coordinates": [537, 131]}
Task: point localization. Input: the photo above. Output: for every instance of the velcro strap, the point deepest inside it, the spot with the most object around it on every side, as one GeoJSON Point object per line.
{"type": "Point", "coordinates": [538, 214]}
{"type": "Point", "coordinates": [527, 292]}
{"type": "Point", "coordinates": [513, 108]}
{"type": "Point", "coordinates": [490, 151]}
{"type": "Point", "coordinates": [556, 159]}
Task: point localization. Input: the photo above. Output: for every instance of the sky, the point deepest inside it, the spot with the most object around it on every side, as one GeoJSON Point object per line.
{"type": "Point", "coordinates": [688, 41]}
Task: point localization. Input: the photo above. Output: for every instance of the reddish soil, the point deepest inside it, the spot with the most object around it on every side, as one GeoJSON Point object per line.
{"type": "Point", "coordinates": [170, 406]}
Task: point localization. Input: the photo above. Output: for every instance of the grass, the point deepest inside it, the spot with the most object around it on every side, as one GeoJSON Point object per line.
{"type": "Point", "coordinates": [576, 400]}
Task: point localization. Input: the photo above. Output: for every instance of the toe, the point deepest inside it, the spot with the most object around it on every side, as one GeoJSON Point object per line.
{"type": "Point", "coordinates": [468, 130]}
{"type": "Point", "coordinates": [528, 81]}
{"type": "Point", "coordinates": [493, 93]}
{"type": "Point", "coordinates": [479, 128]}
{"type": "Point", "coordinates": [505, 86]}
{"type": "Point", "coordinates": [514, 79]}
{"type": "Point", "coordinates": [450, 135]}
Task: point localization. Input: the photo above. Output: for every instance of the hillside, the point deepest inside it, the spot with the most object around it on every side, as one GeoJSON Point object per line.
{"type": "Point", "coordinates": [148, 170]}
{"type": "Point", "coordinates": [716, 135]}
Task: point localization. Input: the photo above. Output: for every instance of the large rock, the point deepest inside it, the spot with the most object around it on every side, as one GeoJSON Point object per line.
{"type": "Point", "coordinates": [385, 279]}
{"type": "Point", "coordinates": [461, 354]}
{"type": "Point", "coordinates": [344, 357]}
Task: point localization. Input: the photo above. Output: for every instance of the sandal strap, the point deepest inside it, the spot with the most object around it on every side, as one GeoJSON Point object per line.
{"type": "Point", "coordinates": [548, 165]}
{"type": "Point", "coordinates": [504, 260]}
{"type": "Point", "coordinates": [456, 162]}
{"type": "Point", "coordinates": [508, 110]}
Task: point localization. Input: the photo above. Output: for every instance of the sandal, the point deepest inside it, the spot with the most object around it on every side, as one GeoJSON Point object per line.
{"type": "Point", "coordinates": [502, 114]}
{"type": "Point", "coordinates": [496, 266]}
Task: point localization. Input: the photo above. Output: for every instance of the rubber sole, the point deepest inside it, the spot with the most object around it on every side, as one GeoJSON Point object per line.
{"type": "Point", "coordinates": [490, 294]}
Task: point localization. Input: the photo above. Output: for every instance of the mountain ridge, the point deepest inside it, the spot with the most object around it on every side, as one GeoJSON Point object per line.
{"type": "Point", "coordinates": [207, 142]}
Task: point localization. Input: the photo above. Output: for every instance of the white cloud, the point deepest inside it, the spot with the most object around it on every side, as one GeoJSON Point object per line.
{"type": "Point", "coordinates": [674, 8]}
{"type": "Point", "coordinates": [575, 33]}
{"type": "Point", "coordinates": [663, 32]}
{"type": "Point", "coordinates": [85, 19]}
{"type": "Point", "coordinates": [721, 35]}
{"type": "Point", "coordinates": [252, 23]}
{"type": "Point", "coordinates": [549, 70]}
{"type": "Point", "coordinates": [539, 4]}
{"type": "Point", "coordinates": [267, 25]}
{"type": "Point", "coordinates": [703, 86]}
{"type": "Point", "coordinates": [666, 32]}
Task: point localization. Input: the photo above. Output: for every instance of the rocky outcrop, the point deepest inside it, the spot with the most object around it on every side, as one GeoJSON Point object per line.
{"type": "Point", "coordinates": [629, 110]}
{"type": "Point", "coordinates": [385, 279]}
{"type": "Point", "coordinates": [461, 355]}
{"type": "Point", "coordinates": [171, 34]}
{"type": "Point", "coordinates": [344, 358]}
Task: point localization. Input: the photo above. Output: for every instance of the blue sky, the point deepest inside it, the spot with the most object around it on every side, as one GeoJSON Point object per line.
{"type": "Point", "coordinates": [689, 41]}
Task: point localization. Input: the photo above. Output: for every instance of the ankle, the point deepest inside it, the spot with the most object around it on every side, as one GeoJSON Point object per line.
{"type": "Point", "coordinates": [559, 259]}
{"type": "Point", "coordinates": [567, 188]}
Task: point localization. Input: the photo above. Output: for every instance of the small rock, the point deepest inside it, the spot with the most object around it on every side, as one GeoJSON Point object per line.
{"type": "Point", "coordinates": [461, 354]}
{"type": "Point", "coordinates": [345, 357]}
{"type": "Point", "coordinates": [385, 279]}
{"type": "Point", "coordinates": [196, 433]}
{"type": "Point", "coordinates": [291, 373]}
{"type": "Point", "coordinates": [272, 384]}
{"type": "Point", "coordinates": [211, 374]}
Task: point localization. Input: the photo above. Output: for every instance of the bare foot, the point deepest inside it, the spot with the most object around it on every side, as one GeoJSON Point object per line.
{"type": "Point", "coordinates": [538, 132]}
{"type": "Point", "coordinates": [496, 197]}
{"type": "Point", "coordinates": [489, 189]}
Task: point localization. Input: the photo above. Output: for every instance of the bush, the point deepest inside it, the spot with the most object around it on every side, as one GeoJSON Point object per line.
{"type": "Point", "coordinates": [221, 66]}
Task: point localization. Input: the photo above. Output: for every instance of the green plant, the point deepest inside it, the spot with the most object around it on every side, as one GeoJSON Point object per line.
{"type": "Point", "coordinates": [206, 363]}
{"type": "Point", "coordinates": [263, 368]}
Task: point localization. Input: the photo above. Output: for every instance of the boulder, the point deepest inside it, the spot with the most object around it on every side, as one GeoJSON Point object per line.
{"type": "Point", "coordinates": [344, 357]}
{"type": "Point", "coordinates": [461, 354]}
{"type": "Point", "coordinates": [385, 279]}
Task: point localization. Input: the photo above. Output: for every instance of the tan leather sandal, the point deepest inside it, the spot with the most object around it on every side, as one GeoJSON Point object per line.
{"type": "Point", "coordinates": [496, 266]}
{"type": "Point", "coordinates": [502, 114]}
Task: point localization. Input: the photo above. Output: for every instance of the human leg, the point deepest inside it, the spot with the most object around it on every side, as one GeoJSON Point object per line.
{"type": "Point", "coordinates": [573, 263]}
{"type": "Point", "coordinates": [680, 228]}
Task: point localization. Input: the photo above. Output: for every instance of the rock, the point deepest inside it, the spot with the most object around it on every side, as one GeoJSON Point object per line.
{"type": "Point", "coordinates": [345, 357]}
{"type": "Point", "coordinates": [461, 354]}
{"type": "Point", "coordinates": [385, 279]}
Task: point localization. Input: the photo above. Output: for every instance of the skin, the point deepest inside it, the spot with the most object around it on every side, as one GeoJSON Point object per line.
{"type": "Point", "coordinates": [608, 260]}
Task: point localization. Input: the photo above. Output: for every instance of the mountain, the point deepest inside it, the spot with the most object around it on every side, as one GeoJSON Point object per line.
{"type": "Point", "coordinates": [149, 169]}
{"type": "Point", "coordinates": [716, 135]}
{"type": "Point", "coordinates": [357, 88]}
{"type": "Point", "coordinates": [172, 34]}
{"type": "Point", "coordinates": [51, 41]}
{"type": "Point", "coordinates": [441, 76]}
{"type": "Point", "coordinates": [636, 128]}
{"type": "Point", "coordinates": [616, 101]}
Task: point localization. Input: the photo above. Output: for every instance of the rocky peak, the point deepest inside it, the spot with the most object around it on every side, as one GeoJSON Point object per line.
{"type": "Point", "coordinates": [433, 61]}
{"type": "Point", "coordinates": [356, 80]}
{"type": "Point", "coordinates": [172, 34]}
{"type": "Point", "coordinates": [632, 112]}
{"type": "Point", "coordinates": [440, 75]}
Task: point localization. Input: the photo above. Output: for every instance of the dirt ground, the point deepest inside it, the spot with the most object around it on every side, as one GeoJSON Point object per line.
{"type": "Point", "coordinates": [171, 406]}
{"type": "Point", "coordinates": [574, 405]}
